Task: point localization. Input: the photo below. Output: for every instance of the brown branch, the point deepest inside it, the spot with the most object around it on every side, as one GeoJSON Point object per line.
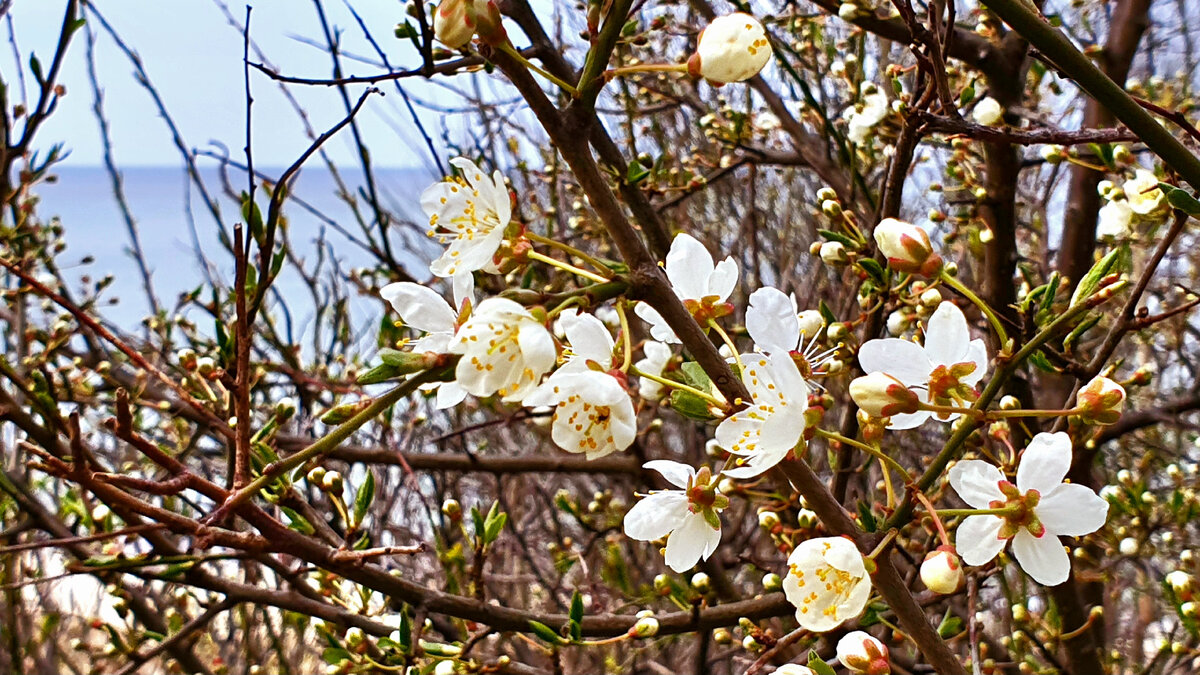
{"type": "Point", "coordinates": [1018, 136]}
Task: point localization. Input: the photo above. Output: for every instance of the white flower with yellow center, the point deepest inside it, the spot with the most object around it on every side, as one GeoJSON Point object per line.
{"type": "Point", "coordinates": [862, 119]}
{"type": "Point", "coordinates": [777, 326]}
{"type": "Point", "coordinates": [766, 431]}
{"type": "Point", "coordinates": [468, 215]}
{"type": "Point", "coordinates": [827, 582]}
{"type": "Point", "coordinates": [1143, 194]}
{"type": "Point", "coordinates": [505, 351]}
{"type": "Point", "coordinates": [593, 413]}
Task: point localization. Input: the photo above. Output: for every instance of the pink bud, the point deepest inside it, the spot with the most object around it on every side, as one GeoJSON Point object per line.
{"type": "Point", "coordinates": [1101, 401]}
{"type": "Point", "coordinates": [907, 248]}
{"type": "Point", "coordinates": [882, 395]}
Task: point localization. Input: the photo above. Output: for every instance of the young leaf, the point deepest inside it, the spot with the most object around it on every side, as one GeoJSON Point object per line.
{"type": "Point", "coordinates": [364, 497]}
{"type": "Point", "coordinates": [818, 665]}
{"type": "Point", "coordinates": [1091, 281]}
{"type": "Point", "coordinates": [576, 607]}
{"type": "Point", "coordinates": [1180, 199]}
{"type": "Point", "coordinates": [546, 633]}
{"type": "Point", "coordinates": [494, 526]}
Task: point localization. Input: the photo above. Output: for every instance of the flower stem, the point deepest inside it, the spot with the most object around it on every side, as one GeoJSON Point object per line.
{"type": "Point", "coordinates": [567, 248]}
{"type": "Point", "coordinates": [874, 452]}
{"type": "Point", "coordinates": [680, 386]}
{"type": "Point", "coordinates": [1002, 511]}
{"type": "Point", "coordinates": [646, 68]}
{"type": "Point", "coordinates": [728, 343]}
{"type": "Point", "coordinates": [997, 326]}
{"type": "Point", "coordinates": [627, 340]}
{"type": "Point", "coordinates": [933, 513]}
{"type": "Point", "coordinates": [507, 48]}
{"type": "Point", "coordinates": [534, 255]}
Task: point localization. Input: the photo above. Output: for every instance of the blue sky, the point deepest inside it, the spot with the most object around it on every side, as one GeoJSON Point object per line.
{"type": "Point", "coordinates": [195, 58]}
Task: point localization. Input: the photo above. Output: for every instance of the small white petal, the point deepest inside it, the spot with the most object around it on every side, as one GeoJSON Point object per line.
{"type": "Point", "coordinates": [687, 544]}
{"type": "Point", "coordinates": [420, 307]}
{"type": "Point", "coordinates": [589, 338]}
{"type": "Point", "coordinates": [723, 279]}
{"type": "Point", "coordinates": [977, 539]}
{"type": "Point", "coordinates": [688, 266]}
{"type": "Point", "coordinates": [656, 515]}
{"type": "Point", "coordinates": [659, 329]}
{"type": "Point", "coordinates": [1043, 558]}
{"type": "Point", "coordinates": [449, 394]}
{"type": "Point", "coordinates": [976, 482]}
{"type": "Point", "coordinates": [1044, 463]}
{"type": "Point", "coordinates": [677, 474]}
{"type": "Point", "coordinates": [901, 359]}
{"type": "Point", "coordinates": [1072, 510]}
{"type": "Point", "coordinates": [947, 337]}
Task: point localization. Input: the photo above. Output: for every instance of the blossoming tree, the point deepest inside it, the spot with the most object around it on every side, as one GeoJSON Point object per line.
{"type": "Point", "coordinates": [762, 344]}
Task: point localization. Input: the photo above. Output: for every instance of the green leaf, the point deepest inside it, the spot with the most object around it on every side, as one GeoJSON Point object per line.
{"type": "Point", "coordinates": [405, 31]}
{"type": "Point", "coordinates": [872, 267]}
{"type": "Point", "coordinates": [826, 313]}
{"type": "Point", "coordinates": [1180, 199]}
{"type": "Point", "coordinates": [636, 172]}
{"type": "Point", "coordinates": [951, 625]}
{"type": "Point", "coordinates": [546, 633]}
{"type": "Point", "coordinates": [870, 524]}
{"type": "Point", "coordinates": [576, 607]}
{"type": "Point", "coordinates": [364, 497]}
{"type": "Point", "coordinates": [35, 66]}
{"type": "Point", "coordinates": [690, 405]}
{"type": "Point", "coordinates": [839, 238]}
{"type": "Point", "coordinates": [252, 216]}
{"type": "Point", "coordinates": [695, 376]}
{"type": "Point", "coordinates": [818, 665]}
{"type": "Point", "coordinates": [967, 94]}
{"type": "Point", "coordinates": [1091, 281]}
{"type": "Point", "coordinates": [296, 521]}
{"type": "Point", "coordinates": [477, 521]}
{"type": "Point", "coordinates": [1078, 331]}
{"type": "Point", "coordinates": [335, 655]}
{"type": "Point", "coordinates": [493, 527]}
{"type": "Point", "coordinates": [405, 633]}
{"type": "Point", "coordinates": [1039, 359]}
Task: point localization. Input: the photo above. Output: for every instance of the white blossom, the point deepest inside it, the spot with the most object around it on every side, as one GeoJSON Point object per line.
{"type": "Point", "coordinates": [732, 48]}
{"type": "Point", "coordinates": [1115, 220]}
{"type": "Point", "coordinates": [944, 371]}
{"type": "Point", "coordinates": [766, 431]}
{"type": "Point", "coordinates": [860, 121]}
{"type": "Point", "coordinates": [777, 327]}
{"type": "Point", "coordinates": [505, 350]}
{"type": "Point", "coordinates": [1143, 194]}
{"type": "Point", "coordinates": [593, 412]}
{"type": "Point", "coordinates": [1043, 509]}
{"type": "Point", "coordinates": [861, 653]}
{"type": "Point", "coordinates": [827, 582]}
{"type": "Point", "coordinates": [702, 286]}
{"type": "Point", "coordinates": [988, 112]}
{"type": "Point", "coordinates": [425, 310]}
{"type": "Point", "coordinates": [468, 215]}
{"type": "Point", "coordinates": [687, 517]}
{"type": "Point", "coordinates": [657, 356]}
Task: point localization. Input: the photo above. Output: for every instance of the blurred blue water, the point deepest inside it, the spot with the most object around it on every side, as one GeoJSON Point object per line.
{"type": "Point", "coordinates": [158, 198]}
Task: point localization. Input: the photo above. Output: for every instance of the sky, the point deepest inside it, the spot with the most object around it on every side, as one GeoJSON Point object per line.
{"type": "Point", "coordinates": [194, 57]}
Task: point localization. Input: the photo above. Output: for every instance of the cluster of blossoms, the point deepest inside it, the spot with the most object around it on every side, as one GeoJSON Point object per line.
{"type": "Point", "coordinates": [1138, 200]}
{"type": "Point", "coordinates": [594, 390]}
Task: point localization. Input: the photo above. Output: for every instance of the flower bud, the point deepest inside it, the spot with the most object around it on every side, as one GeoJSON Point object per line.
{"type": "Point", "coordinates": [187, 359]}
{"type": "Point", "coordinates": [772, 582]}
{"type": "Point", "coordinates": [942, 571]}
{"type": "Point", "coordinates": [861, 653]}
{"type": "Point", "coordinates": [897, 323]}
{"type": "Point", "coordinates": [882, 395]}
{"type": "Point", "coordinates": [768, 520]}
{"type": "Point", "coordinates": [794, 668]}
{"type": "Point", "coordinates": [701, 582]}
{"type": "Point", "coordinates": [662, 584]}
{"type": "Point", "coordinates": [833, 253]}
{"type": "Point", "coordinates": [332, 482]}
{"type": "Point", "coordinates": [907, 248]}
{"type": "Point", "coordinates": [316, 475]}
{"type": "Point", "coordinates": [722, 636]}
{"type": "Point", "coordinates": [452, 23]}
{"type": "Point", "coordinates": [826, 193]}
{"type": "Point", "coordinates": [752, 645]}
{"type": "Point", "coordinates": [1128, 546]}
{"type": "Point", "coordinates": [452, 509]}
{"type": "Point", "coordinates": [205, 366]}
{"type": "Point", "coordinates": [645, 627]}
{"type": "Point", "coordinates": [1180, 582]}
{"type": "Point", "coordinates": [848, 11]}
{"type": "Point", "coordinates": [732, 48]}
{"type": "Point", "coordinates": [811, 322]}
{"type": "Point", "coordinates": [1101, 401]}
{"type": "Point", "coordinates": [988, 112]}
{"type": "Point", "coordinates": [1053, 154]}
{"type": "Point", "coordinates": [832, 208]}
{"type": "Point", "coordinates": [806, 519]}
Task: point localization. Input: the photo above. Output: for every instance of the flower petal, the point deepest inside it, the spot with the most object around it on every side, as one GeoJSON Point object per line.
{"type": "Point", "coordinates": [420, 307]}
{"type": "Point", "coordinates": [947, 336]}
{"type": "Point", "coordinates": [464, 289]}
{"type": "Point", "coordinates": [677, 474]}
{"type": "Point", "coordinates": [1044, 463]}
{"type": "Point", "coordinates": [659, 329]}
{"type": "Point", "coordinates": [977, 354]}
{"type": "Point", "coordinates": [688, 542]}
{"type": "Point", "coordinates": [449, 395]}
{"type": "Point", "coordinates": [1072, 510]}
{"type": "Point", "coordinates": [908, 420]}
{"type": "Point", "coordinates": [723, 279]}
{"type": "Point", "coordinates": [688, 266]}
{"type": "Point", "coordinates": [589, 338]}
{"type": "Point", "coordinates": [978, 540]}
{"type": "Point", "coordinates": [656, 515]}
{"type": "Point", "coordinates": [976, 482]}
{"type": "Point", "coordinates": [903, 360]}
{"type": "Point", "coordinates": [771, 321]}
{"type": "Point", "coordinates": [1042, 558]}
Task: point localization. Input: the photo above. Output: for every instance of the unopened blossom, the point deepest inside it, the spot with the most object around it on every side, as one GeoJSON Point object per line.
{"type": "Point", "coordinates": [773, 424]}
{"type": "Point", "coordinates": [657, 356]}
{"type": "Point", "coordinates": [1101, 401]}
{"type": "Point", "coordinates": [732, 48]}
{"type": "Point", "coordinates": [427, 311]}
{"type": "Point", "coordinates": [469, 215]}
{"type": "Point", "coordinates": [593, 413]}
{"type": "Point", "coordinates": [505, 350]}
{"type": "Point", "coordinates": [943, 371]}
{"type": "Point", "coordinates": [1115, 220]}
{"type": "Point", "coordinates": [702, 286]}
{"type": "Point", "coordinates": [777, 327]}
{"type": "Point", "coordinates": [881, 395]}
{"type": "Point", "coordinates": [1043, 508]}
{"type": "Point", "coordinates": [988, 112]}
{"type": "Point", "coordinates": [863, 119]}
{"type": "Point", "coordinates": [1143, 194]}
{"type": "Point", "coordinates": [687, 517]}
{"type": "Point", "coordinates": [907, 248]}
{"type": "Point", "coordinates": [861, 653]}
{"type": "Point", "coordinates": [453, 24]}
{"type": "Point", "coordinates": [827, 581]}
{"type": "Point", "coordinates": [942, 570]}
{"type": "Point", "coordinates": [1181, 583]}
